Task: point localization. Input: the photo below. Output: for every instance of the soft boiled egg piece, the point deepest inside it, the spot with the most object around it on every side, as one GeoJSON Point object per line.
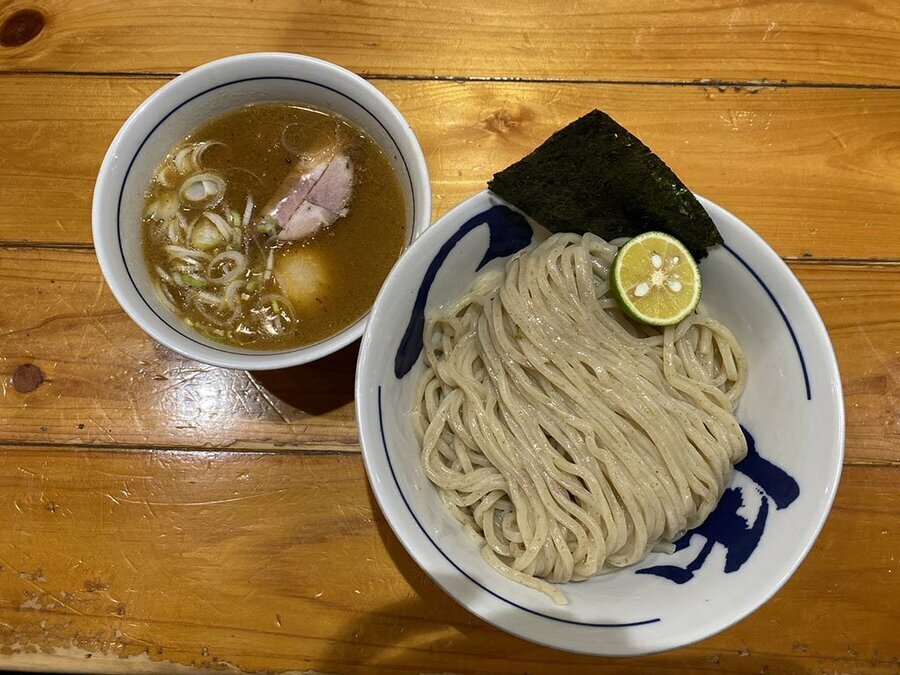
{"type": "Point", "coordinates": [302, 275]}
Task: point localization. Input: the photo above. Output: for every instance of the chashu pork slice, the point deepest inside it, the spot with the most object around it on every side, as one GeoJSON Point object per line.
{"type": "Point", "coordinates": [312, 198]}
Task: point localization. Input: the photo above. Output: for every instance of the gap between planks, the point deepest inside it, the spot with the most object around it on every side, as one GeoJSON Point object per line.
{"type": "Point", "coordinates": [250, 450]}
{"type": "Point", "coordinates": [751, 84]}
{"type": "Point", "coordinates": [273, 450]}
{"type": "Point", "coordinates": [794, 260]}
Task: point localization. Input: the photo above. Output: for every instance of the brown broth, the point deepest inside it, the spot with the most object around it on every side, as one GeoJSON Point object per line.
{"type": "Point", "coordinates": [261, 144]}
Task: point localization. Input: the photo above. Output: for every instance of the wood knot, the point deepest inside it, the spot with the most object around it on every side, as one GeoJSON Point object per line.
{"type": "Point", "coordinates": [505, 119]}
{"type": "Point", "coordinates": [27, 377]}
{"type": "Point", "coordinates": [21, 27]}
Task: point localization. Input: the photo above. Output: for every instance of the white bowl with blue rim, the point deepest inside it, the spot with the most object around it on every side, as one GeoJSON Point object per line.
{"type": "Point", "coordinates": [179, 108]}
{"type": "Point", "coordinates": [766, 521]}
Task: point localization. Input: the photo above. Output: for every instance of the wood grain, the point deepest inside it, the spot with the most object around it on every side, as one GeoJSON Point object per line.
{"type": "Point", "coordinates": [108, 383]}
{"type": "Point", "coordinates": [812, 170]}
{"type": "Point", "coordinates": [861, 310]}
{"type": "Point", "coordinates": [164, 516]}
{"type": "Point", "coordinates": [273, 562]}
{"type": "Point", "coordinates": [817, 40]}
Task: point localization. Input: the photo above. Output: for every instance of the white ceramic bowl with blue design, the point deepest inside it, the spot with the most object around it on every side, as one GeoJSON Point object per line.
{"type": "Point", "coordinates": [765, 523]}
{"type": "Point", "coordinates": [177, 109]}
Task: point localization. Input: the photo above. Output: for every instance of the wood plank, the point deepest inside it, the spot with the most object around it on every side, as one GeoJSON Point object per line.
{"type": "Point", "coordinates": [861, 310]}
{"type": "Point", "coordinates": [810, 169]}
{"type": "Point", "coordinates": [108, 383]}
{"type": "Point", "coordinates": [819, 40]}
{"type": "Point", "coordinates": [208, 558]}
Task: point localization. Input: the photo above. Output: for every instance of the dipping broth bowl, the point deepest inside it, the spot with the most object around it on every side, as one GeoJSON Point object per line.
{"type": "Point", "coordinates": [179, 108]}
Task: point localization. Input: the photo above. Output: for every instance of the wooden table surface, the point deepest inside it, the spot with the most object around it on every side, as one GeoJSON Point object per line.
{"type": "Point", "coordinates": [160, 515]}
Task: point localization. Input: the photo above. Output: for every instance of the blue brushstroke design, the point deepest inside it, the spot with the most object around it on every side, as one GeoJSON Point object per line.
{"type": "Point", "coordinates": [774, 481]}
{"type": "Point", "coordinates": [783, 316]}
{"type": "Point", "coordinates": [509, 233]}
{"type": "Point", "coordinates": [726, 526]}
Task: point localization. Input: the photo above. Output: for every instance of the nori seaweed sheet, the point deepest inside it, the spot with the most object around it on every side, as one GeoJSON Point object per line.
{"type": "Point", "coordinates": [595, 176]}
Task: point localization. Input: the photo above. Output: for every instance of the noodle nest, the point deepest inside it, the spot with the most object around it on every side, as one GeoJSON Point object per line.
{"type": "Point", "coordinates": [569, 440]}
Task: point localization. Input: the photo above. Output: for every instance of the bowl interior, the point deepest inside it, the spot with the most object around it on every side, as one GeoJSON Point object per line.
{"type": "Point", "coordinates": [775, 505]}
{"type": "Point", "coordinates": [188, 102]}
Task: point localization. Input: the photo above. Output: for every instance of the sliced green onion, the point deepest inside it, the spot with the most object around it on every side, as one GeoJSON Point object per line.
{"type": "Point", "coordinates": [248, 211]}
{"type": "Point", "coordinates": [205, 235]}
{"type": "Point", "coordinates": [267, 225]}
{"type": "Point", "coordinates": [191, 280]}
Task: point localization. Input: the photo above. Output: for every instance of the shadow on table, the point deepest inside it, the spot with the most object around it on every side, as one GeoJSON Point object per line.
{"type": "Point", "coordinates": [430, 632]}
{"type": "Point", "coordinates": [315, 388]}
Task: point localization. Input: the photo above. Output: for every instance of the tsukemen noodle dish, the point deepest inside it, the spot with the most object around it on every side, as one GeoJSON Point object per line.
{"type": "Point", "coordinates": [577, 407]}
{"type": "Point", "coordinates": [273, 226]}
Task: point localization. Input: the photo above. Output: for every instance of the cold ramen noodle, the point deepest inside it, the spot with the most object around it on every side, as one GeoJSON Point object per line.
{"type": "Point", "coordinates": [273, 226]}
{"type": "Point", "coordinates": [568, 439]}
